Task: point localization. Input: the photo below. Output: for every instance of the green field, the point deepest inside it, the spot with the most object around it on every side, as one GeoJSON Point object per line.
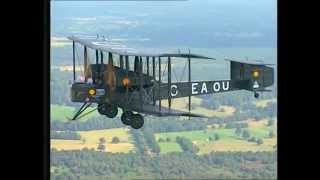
{"type": "Point", "coordinates": [90, 139]}
{"type": "Point", "coordinates": [166, 147]}
{"type": "Point", "coordinates": [228, 140]}
{"type": "Point", "coordinates": [62, 113]}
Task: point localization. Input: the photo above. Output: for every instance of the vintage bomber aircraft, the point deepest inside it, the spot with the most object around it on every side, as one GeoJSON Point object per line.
{"type": "Point", "coordinates": [115, 85]}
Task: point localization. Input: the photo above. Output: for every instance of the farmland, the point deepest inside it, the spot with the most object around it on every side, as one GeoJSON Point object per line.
{"type": "Point", "coordinates": [62, 113]}
{"type": "Point", "coordinates": [228, 140]}
{"type": "Point", "coordinates": [90, 139]}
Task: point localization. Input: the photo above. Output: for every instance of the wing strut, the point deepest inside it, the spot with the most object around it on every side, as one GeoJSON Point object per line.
{"type": "Point", "coordinates": [74, 61]}
{"type": "Point", "coordinates": [159, 86]}
{"type": "Point", "coordinates": [98, 69]}
{"type": "Point", "coordinates": [121, 61]}
{"type": "Point", "coordinates": [189, 81]}
{"type": "Point", "coordinates": [81, 110]}
{"type": "Point", "coordinates": [141, 83]}
{"type": "Point", "coordinates": [85, 56]}
{"type": "Point", "coordinates": [169, 83]}
{"type": "Point", "coordinates": [127, 76]}
{"type": "Point", "coordinates": [101, 56]}
{"type": "Point", "coordinates": [154, 79]}
{"type": "Point", "coordinates": [148, 73]}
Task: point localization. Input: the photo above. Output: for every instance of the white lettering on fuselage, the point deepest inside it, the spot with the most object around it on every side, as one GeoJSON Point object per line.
{"type": "Point", "coordinates": [225, 88]}
{"type": "Point", "coordinates": [194, 89]}
{"type": "Point", "coordinates": [216, 86]}
{"type": "Point", "coordinates": [174, 90]}
{"type": "Point", "coordinates": [204, 88]}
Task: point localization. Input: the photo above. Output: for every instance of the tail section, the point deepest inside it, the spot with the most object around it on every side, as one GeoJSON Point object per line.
{"type": "Point", "coordinates": [259, 76]}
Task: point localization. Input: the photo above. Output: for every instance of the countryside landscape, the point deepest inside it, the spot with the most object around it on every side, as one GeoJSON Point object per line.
{"type": "Point", "coordinates": [237, 141]}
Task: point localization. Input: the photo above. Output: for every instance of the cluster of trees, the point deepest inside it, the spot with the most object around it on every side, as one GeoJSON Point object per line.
{"type": "Point", "coordinates": [245, 134]}
{"type": "Point", "coordinates": [169, 124]}
{"type": "Point", "coordinates": [271, 134]}
{"type": "Point", "coordinates": [256, 140]}
{"type": "Point", "coordinates": [270, 122]}
{"type": "Point", "coordinates": [60, 90]}
{"type": "Point", "coordinates": [94, 123]}
{"type": "Point", "coordinates": [187, 145]}
{"type": "Point", "coordinates": [115, 140]}
{"type": "Point", "coordinates": [144, 140]}
{"type": "Point", "coordinates": [164, 140]}
{"type": "Point", "coordinates": [151, 140]}
{"type": "Point", "coordinates": [89, 164]}
{"type": "Point", "coordinates": [101, 145]}
{"type": "Point", "coordinates": [71, 135]}
{"type": "Point", "coordinates": [231, 125]}
{"type": "Point", "coordinates": [174, 124]}
{"type": "Point", "coordinates": [138, 141]}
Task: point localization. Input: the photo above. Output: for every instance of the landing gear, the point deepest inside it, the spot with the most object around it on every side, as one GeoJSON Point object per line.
{"type": "Point", "coordinates": [109, 110]}
{"type": "Point", "coordinates": [134, 120]}
{"type": "Point", "coordinates": [137, 121]}
{"type": "Point", "coordinates": [125, 117]}
{"type": "Point", "coordinates": [256, 95]}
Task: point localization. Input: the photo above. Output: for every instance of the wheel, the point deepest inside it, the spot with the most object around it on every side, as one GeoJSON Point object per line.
{"type": "Point", "coordinates": [112, 111]}
{"type": "Point", "coordinates": [125, 117]}
{"type": "Point", "coordinates": [102, 109]}
{"type": "Point", "coordinates": [256, 95]}
{"type": "Point", "coordinates": [136, 121]}
{"type": "Point", "coordinates": [109, 110]}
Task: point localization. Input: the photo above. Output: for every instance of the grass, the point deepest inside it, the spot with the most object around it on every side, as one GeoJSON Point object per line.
{"type": "Point", "coordinates": [236, 145]}
{"type": "Point", "coordinates": [90, 139]}
{"type": "Point", "coordinates": [166, 147]}
{"type": "Point", "coordinates": [263, 103]}
{"type": "Point", "coordinates": [228, 140]}
{"type": "Point", "coordinates": [94, 135]}
{"type": "Point", "coordinates": [62, 113]}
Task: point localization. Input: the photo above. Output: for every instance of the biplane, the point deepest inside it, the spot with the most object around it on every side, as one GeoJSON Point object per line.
{"type": "Point", "coordinates": [134, 80]}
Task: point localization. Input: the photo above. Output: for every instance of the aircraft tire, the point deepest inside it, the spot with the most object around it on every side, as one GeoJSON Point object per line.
{"type": "Point", "coordinates": [136, 121]}
{"type": "Point", "coordinates": [125, 117]}
{"type": "Point", "coordinates": [102, 109]}
{"type": "Point", "coordinates": [256, 95]}
{"type": "Point", "coordinates": [108, 110]}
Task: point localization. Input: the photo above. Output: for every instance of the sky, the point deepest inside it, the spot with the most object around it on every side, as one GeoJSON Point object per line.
{"type": "Point", "coordinates": [193, 23]}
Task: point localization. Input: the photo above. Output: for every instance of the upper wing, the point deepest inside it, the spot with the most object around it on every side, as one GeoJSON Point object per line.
{"type": "Point", "coordinates": [117, 48]}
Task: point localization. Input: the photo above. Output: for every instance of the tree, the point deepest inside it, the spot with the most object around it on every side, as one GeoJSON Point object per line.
{"type": "Point", "coordinates": [238, 131]}
{"type": "Point", "coordinates": [245, 134]}
{"type": "Point", "coordinates": [271, 134]}
{"type": "Point", "coordinates": [83, 140]}
{"type": "Point", "coordinates": [210, 138]}
{"type": "Point", "coordinates": [168, 139]}
{"type": "Point", "coordinates": [216, 137]}
{"type": "Point", "coordinates": [187, 145]}
{"type": "Point", "coordinates": [160, 140]}
{"type": "Point", "coordinates": [101, 147]}
{"type": "Point", "coordinates": [259, 141]}
{"type": "Point", "coordinates": [270, 122]}
{"type": "Point", "coordinates": [115, 140]}
{"type": "Point", "coordinates": [252, 139]}
{"type": "Point", "coordinates": [102, 140]}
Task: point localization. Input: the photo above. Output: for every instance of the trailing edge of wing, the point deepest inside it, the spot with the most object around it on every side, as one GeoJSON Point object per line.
{"type": "Point", "coordinates": [182, 114]}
